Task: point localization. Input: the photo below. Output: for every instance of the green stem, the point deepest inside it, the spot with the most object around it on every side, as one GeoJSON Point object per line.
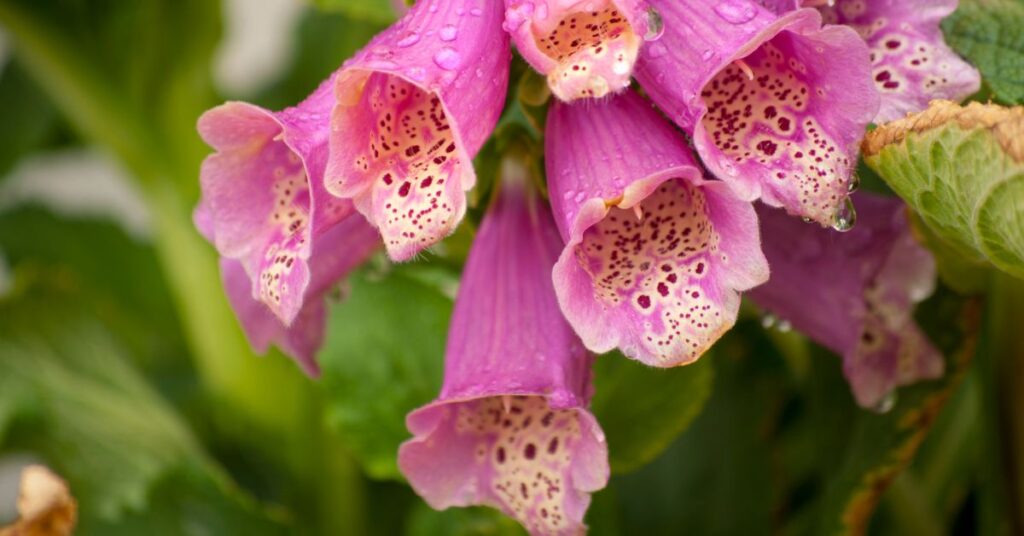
{"type": "Point", "coordinates": [1006, 349]}
{"type": "Point", "coordinates": [269, 393]}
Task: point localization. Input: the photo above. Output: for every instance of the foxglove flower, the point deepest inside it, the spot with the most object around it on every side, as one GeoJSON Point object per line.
{"type": "Point", "coordinates": [911, 63]}
{"type": "Point", "coordinates": [265, 209]}
{"type": "Point", "coordinates": [586, 48]}
{"type": "Point", "coordinates": [412, 109]}
{"type": "Point", "coordinates": [510, 428]}
{"type": "Point", "coordinates": [655, 255]}
{"type": "Point", "coordinates": [776, 105]}
{"type": "Point", "coordinates": [335, 254]}
{"type": "Point", "coordinates": [855, 293]}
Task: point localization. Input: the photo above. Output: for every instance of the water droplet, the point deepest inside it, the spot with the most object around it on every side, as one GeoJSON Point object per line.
{"type": "Point", "coordinates": [784, 326]}
{"type": "Point", "coordinates": [886, 404]}
{"type": "Point", "coordinates": [416, 73]}
{"type": "Point", "coordinates": [846, 217]}
{"type": "Point", "coordinates": [448, 33]}
{"type": "Point", "coordinates": [735, 12]}
{"type": "Point", "coordinates": [707, 55]}
{"type": "Point", "coordinates": [476, 12]}
{"type": "Point", "coordinates": [854, 183]}
{"type": "Point", "coordinates": [656, 50]}
{"type": "Point", "coordinates": [409, 40]}
{"type": "Point", "coordinates": [655, 25]}
{"type": "Point", "coordinates": [580, 197]}
{"type": "Point", "coordinates": [768, 320]}
{"type": "Point", "coordinates": [447, 58]}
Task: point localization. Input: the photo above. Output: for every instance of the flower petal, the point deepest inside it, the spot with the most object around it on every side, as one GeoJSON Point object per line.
{"type": "Point", "coordinates": [263, 201]}
{"type": "Point", "coordinates": [656, 256]}
{"type": "Point", "coordinates": [336, 253]}
{"type": "Point", "coordinates": [777, 105]}
{"type": "Point", "coordinates": [586, 49]}
{"type": "Point", "coordinates": [855, 293]}
{"type": "Point", "coordinates": [413, 108]}
{"type": "Point", "coordinates": [510, 428]}
{"type": "Point", "coordinates": [911, 64]}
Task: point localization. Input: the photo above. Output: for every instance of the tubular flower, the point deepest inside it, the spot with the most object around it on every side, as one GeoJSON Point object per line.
{"type": "Point", "coordinates": [335, 254]}
{"type": "Point", "coordinates": [865, 285]}
{"type": "Point", "coordinates": [265, 208]}
{"type": "Point", "coordinates": [655, 255]}
{"type": "Point", "coordinates": [910, 61]}
{"type": "Point", "coordinates": [510, 428]}
{"type": "Point", "coordinates": [776, 104]}
{"type": "Point", "coordinates": [412, 109]}
{"type": "Point", "coordinates": [586, 48]}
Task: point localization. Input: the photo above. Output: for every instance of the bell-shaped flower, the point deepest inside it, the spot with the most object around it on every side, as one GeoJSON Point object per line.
{"type": "Point", "coordinates": [335, 254]}
{"type": "Point", "coordinates": [910, 61]}
{"type": "Point", "coordinates": [855, 293]}
{"type": "Point", "coordinates": [655, 256]}
{"type": "Point", "coordinates": [776, 105]}
{"type": "Point", "coordinates": [265, 209]}
{"type": "Point", "coordinates": [586, 48]}
{"type": "Point", "coordinates": [510, 428]}
{"type": "Point", "coordinates": [412, 109]}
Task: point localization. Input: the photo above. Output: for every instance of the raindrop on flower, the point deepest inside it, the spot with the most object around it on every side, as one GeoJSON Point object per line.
{"type": "Point", "coordinates": [768, 320]}
{"type": "Point", "coordinates": [886, 404]}
{"type": "Point", "coordinates": [735, 12]}
{"type": "Point", "coordinates": [447, 58]}
{"type": "Point", "coordinates": [846, 218]}
{"type": "Point", "coordinates": [409, 40]}
{"type": "Point", "coordinates": [448, 33]}
{"type": "Point", "coordinates": [854, 183]}
{"type": "Point", "coordinates": [655, 25]}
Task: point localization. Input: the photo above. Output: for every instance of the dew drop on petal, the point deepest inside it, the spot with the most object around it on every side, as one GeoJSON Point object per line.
{"type": "Point", "coordinates": [735, 12]}
{"type": "Point", "coordinates": [448, 33]}
{"type": "Point", "coordinates": [846, 218]}
{"type": "Point", "coordinates": [655, 25]}
{"type": "Point", "coordinates": [447, 58]}
{"type": "Point", "coordinates": [409, 40]}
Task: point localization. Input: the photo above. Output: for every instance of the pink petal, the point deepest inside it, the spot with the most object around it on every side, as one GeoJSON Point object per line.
{"type": "Point", "coordinates": [777, 105]}
{"type": "Point", "coordinates": [911, 64]}
{"type": "Point", "coordinates": [656, 256]}
{"type": "Point", "coordinates": [510, 428]}
{"type": "Point", "coordinates": [855, 293]}
{"type": "Point", "coordinates": [586, 49]}
{"type": "Point", "coordinates": [412, 109]}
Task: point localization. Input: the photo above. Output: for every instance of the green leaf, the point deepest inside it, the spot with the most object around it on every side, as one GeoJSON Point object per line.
{"type": "Point", "coordinates": [69, 395]}
{"type": "Point", "coordinates": [880, 446]}
{"type": "Point", "coordinates": [962, 170]}
{"type": "Point", "coordinates": [718, 476]}
{"type": "Point", "coordinates": [383, 357]}
{"type": "Point", "coordinates": [377, 11]}
{"type": "Point", "coordinates": [643, 409]}
{"type": "Point", "coordinates": [479, 521]}
{"type": "Point", "coordinates": [988, 34]}
{"type": "Point", "coordinates": [29, 116]}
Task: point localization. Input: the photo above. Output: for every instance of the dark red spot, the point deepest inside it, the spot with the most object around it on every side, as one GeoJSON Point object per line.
{"type": "Point", "coordinates": [644, 301]}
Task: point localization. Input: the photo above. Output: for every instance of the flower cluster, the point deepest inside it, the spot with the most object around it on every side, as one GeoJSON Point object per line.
{"type": "Point", "coordinates": [662, 208]}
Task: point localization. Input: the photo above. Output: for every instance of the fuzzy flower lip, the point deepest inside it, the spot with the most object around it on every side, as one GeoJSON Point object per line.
{"type": "Point", "coordinates": [776, 104]}
{"type": "Point", "coordinates": [262, 202]}
{"type": "Point", "coordinates": [865, 285]}
{"type": "Point", "coordinates": [655, 255]}
{"type": "Point", "coordinates": [510, 428]}
{"type": "Point", "coordinates": [412, 109]}
{"type": "Point", "coordinates": [586, 48]}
